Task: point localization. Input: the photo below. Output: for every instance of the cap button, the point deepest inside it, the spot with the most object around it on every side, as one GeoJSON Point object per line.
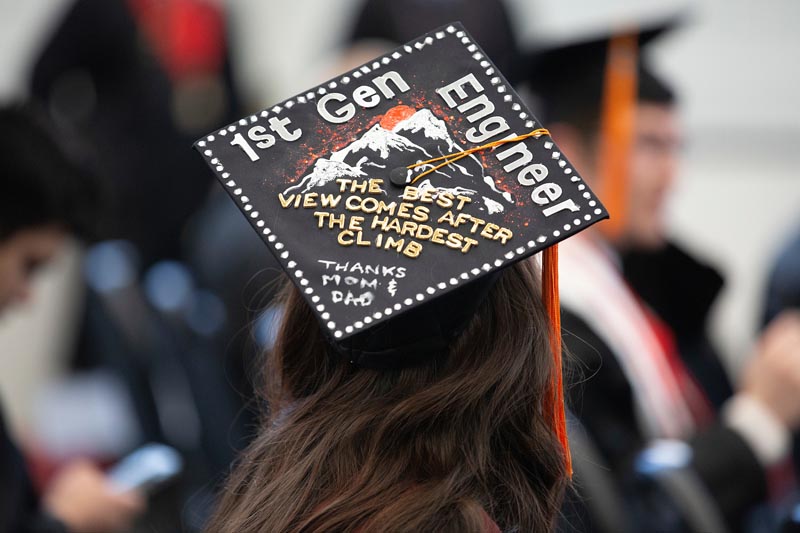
{"type": "Point", "coordinates": [401, 176]}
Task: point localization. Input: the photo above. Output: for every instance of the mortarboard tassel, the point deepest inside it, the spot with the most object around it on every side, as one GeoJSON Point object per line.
{"type": "Point", "coordinates": [554, 403]}
{"type": "Point", "coordinates": [617, 122]}
{"type": "Point", "coordinates": [555, 400]}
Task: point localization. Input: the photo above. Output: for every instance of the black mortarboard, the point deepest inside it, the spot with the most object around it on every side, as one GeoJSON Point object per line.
{"type": "Point", "coordinates": [394, 271]}
{"type": "Point", "coordinates": [569, 78]}
{"type": "Point", "coordinates": [400, 21]}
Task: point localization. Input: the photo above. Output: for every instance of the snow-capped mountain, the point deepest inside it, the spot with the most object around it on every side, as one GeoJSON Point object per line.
{"type": "Point", "coordinates": [429, 124]}
{"type": "Point", "coordinates": [325, 171]}
{"type": "Point", "coordinates": [419, 137]}
{"type": "Point", "coordinates": [378, 140]}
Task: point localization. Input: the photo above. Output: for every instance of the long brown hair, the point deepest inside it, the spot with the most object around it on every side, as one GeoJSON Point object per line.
{"type": "Point", "coordinates": [430, 448]}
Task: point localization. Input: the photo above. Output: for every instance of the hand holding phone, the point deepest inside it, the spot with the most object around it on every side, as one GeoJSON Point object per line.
{"type": "Point", "coordinates": [147, 467]}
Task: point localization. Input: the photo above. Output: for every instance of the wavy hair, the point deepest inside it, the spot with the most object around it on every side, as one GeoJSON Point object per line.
{"type": "Point", "coordinates": [431, 448]}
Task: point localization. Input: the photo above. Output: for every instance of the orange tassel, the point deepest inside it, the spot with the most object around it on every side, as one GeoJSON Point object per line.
{"type": "Point", "coordinates": [555, 399]}
{"type": "Point", "coordinates": [617, 123]}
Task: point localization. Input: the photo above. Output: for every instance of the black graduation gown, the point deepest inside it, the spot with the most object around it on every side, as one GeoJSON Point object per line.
{"type": "Point", "coordinates": [681, 290]}
{"type": "Point", "coordinates": [601, 397]}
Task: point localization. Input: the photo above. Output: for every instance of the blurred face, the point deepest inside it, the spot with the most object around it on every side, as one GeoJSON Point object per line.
{"type": "Point", "coordinates": [21, 255]}
{"type": "Point", "coordinates": [654, 159]}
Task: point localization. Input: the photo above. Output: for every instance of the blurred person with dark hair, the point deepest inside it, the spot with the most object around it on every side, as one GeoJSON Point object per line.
{"type": "Point", "coordinates": [44, 199]}
{"type": "Point", "coordinates": [137, 80]}
{"type": "Point", "coordinates": [638, 325]}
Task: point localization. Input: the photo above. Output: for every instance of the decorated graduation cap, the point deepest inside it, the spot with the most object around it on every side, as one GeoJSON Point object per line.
{"type": "Point", "coordinates": [394, 194]}
{"type": "Point", "coordinates": [594, 84]}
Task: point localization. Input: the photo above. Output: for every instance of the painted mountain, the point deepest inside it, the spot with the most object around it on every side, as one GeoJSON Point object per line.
{"type": "Point", "coordinates": [402, 137]}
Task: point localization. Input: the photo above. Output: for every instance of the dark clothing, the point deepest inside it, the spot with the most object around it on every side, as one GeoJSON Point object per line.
{"type": "Point", "coordinates": [604, 404]}
{"type": "Point", "coordinates": [19, 503]}
{"type": "Point", "coordinates": [105, 87]}
{"type": "Point", "coordinates": [681, 291]}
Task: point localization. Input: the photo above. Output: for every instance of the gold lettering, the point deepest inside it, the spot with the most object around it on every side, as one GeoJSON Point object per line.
{"type": "Point", "coordinates": [445, 200]}
{"type": "Point", "coordinates": [503, 235]}
{"type": "Point", "coordinates": [321, 216]}
{"type": "Point", "coordinates": [355, 223]}
{"type": "Point", "coordinates": [329, 200]}
{"type": "Point", "coordinates": [454, 241]}
{"type": "Point", "coordinates": [462, 218]}
{"type": "Point", "coordinates": [395, 244]}
{"type": "Point", "coordinates": [412, 250]}
{"type": "Point", "coordinates": [348, 204]}
{"type": "Point", "coordinates": [470, 242]}
{"type": "Point", "coordinates": [375, 186]}
{"type": "Point", "coordinates": [438, 235]}
{"type": "Point", "coordinates": [408, 227]}
{"type": "Point", "coordinates": [393, 225]}
{"type": "Point", "coordinates": [377, 221]}
{"type": "Point", "coordinates": [369, 205]}
{"type": "Point", "coordinates": [402, 211]}
{"type": "Point", "coordinates": [488, 230]}
{"type": "Point", "coordinates": [286, 202]}
{"type": "Point", "coordinates": [358, 186]}
{"type": "Point", "coordinates": [336, 220]}
{"type": "Point", "coordinates": [476, 222]}
{"type": "Point", "coordinates": [424, 232]}
{"type": "Point", "coordinates": [342, 240]}
{"type": "Point", "coordinates": [360, 241]}
{"type": "Point", "coordinates": [447, 217]}
{"type": "Point", "coordinates": [421, 213]}
{"type": "Point", "coordinates": [310, 200]}
{"type": "Point", "coordinates": [410, 194]}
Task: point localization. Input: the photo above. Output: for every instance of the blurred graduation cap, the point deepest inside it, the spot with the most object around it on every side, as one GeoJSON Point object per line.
{"type": "Point", "coordinates": [395, 194]}
{"type": "Point", "coordinates": [570, 79]}
{"type": "Point", "coordinates": [594, 84]}
{"type": "Point", "coordinates": [400, 21]}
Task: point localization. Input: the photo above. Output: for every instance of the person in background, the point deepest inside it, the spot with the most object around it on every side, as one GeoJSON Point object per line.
{"type": "Point", "coordinates": [44, 200]}
{"type": "Point", "coordinates": [651, 380]}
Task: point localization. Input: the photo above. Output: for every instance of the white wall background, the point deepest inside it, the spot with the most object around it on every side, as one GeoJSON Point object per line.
{"type": "Point", "coordinates": [735, 65]}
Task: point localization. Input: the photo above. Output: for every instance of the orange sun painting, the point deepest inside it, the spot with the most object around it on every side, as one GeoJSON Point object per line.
{"type": "Point", "coordinates": [396, 114]}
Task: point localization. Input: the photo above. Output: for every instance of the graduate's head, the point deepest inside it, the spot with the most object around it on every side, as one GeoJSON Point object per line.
{"type": "Point", "coordinates": [571, 82]}
{"type": "Point", "coordinates": [44, 198]}
{"type": "Point", "coordinates": [415, 383]}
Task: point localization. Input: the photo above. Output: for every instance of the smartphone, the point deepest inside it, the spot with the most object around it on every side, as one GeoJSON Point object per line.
{"type": "Point", "coordinates": [146, 468]}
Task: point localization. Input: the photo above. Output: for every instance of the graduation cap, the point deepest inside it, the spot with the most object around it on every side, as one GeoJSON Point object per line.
{"type": "Point", "coordinates": [594, 84]}
{"type": "Point", "coordinates": [399, 21]}
{"type": "Point", "coordinates": [394, 194]}
{"type": "Point", "coordinates": [570, 79]}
